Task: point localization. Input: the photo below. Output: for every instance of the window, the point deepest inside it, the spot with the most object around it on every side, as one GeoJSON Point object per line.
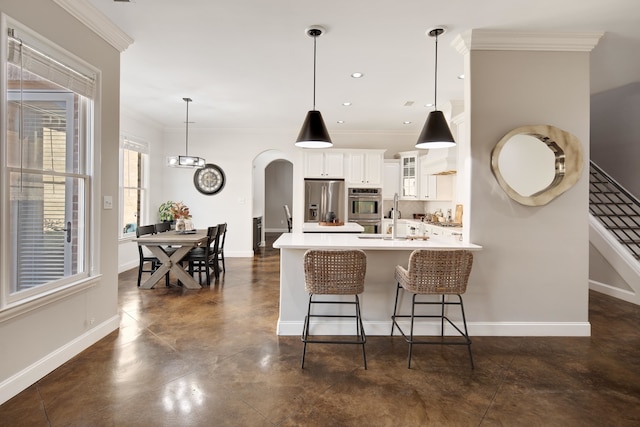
{"type": "Point", "coordinates": [133, 164]}
{"type": "Point", "coordinates": [46, 173]}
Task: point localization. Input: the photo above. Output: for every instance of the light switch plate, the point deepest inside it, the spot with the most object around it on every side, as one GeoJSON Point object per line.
{"type": "Point", "coordinates": [107, 202]}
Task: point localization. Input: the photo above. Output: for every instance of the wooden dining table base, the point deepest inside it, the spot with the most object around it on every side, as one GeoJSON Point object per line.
{"type": "Point", "coordinates": [170, 264]}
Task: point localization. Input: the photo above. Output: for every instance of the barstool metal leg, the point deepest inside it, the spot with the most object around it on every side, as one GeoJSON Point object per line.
{"type": "Point", "coordinates": [442, 318]}
{"type": "Point", "coordinates": [413, 309]}
{"type": "Point", "coordinates": [305, 330]}
{"type": "Point", "coordinates": [360, 330]}
{"type": "Point", "coordinates": [395, 308]}
{"type": "Point", "coordinates": [466, 333]}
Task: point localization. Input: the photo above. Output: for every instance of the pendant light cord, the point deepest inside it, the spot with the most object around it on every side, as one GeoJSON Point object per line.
{"type": "Point", "coordinates": [315, 37]}
{"type": "Point", "coordinates": [435, 89]}
{"type": "Point", "coordinates": [186, 141]}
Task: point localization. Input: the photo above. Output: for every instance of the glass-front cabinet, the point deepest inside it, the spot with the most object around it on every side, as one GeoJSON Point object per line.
{"type": "Point", "coordinates": [409, 175]}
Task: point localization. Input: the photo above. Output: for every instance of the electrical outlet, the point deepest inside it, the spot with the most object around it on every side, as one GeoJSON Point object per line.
{"type": "Point", "coordinates": [92, 321]}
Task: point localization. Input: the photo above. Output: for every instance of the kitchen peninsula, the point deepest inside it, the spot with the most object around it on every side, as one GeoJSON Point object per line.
{"type": "Point", "coordinates": [383, 254]}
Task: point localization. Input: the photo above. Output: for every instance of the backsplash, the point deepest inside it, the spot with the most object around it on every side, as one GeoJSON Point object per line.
{"type": "Point", "coordinates": [409, 207]}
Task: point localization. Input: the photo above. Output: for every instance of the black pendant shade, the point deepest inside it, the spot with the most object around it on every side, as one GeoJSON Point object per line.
{"type": "Point", "coordinates": [436, 132]}
{"type": "Point", "coordinates": [313, 133]}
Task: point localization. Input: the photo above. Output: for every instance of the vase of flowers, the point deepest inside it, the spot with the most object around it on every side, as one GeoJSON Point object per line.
{"type": "Point", "coordinates": [181, 213]}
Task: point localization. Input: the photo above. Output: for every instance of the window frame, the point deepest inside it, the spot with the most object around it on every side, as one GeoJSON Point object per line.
{"type": "Point", "coordinates": [141, 147]}
{"type": "Point", "coordinates": [12, 305]}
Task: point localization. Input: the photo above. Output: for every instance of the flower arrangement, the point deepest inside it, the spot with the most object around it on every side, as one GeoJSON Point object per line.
{"type": "Point", "coordinates": [180, 211]}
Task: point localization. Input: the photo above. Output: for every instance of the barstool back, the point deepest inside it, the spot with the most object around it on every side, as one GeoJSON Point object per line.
{"type": "Point", "coordinates": [334, 272]}
{"type": "Point", "coordinates": [436, 272]}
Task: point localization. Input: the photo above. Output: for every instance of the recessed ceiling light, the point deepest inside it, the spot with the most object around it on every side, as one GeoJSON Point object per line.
{"type": "Point", "coordinates": [356, 75]}
{"type": "Point", "coordinates": [340, 121]}
{"type": "Point", "coordinates": [406, 122]}
{"type": "Point", "coordinates": [461, 77]}
{"type": "Point", "coordinates": [346, 104]}
{"type": "Point", "coordinates": [429, 104]}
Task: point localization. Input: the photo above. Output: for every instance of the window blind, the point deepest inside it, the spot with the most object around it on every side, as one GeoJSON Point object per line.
{"type": "Point", "coordinates": [28, 57]}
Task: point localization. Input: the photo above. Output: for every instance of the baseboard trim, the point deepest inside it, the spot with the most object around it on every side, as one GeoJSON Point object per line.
{"type": "Point", "coordinates": [31, 374]}
{"type": "Point", "coordinates": [490, 329]}
{"type": "Point", "coordinates": [612, 291]}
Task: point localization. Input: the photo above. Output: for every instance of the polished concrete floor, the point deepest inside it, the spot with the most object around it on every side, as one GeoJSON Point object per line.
{"type": "Point", "coordinates": [211, 357]}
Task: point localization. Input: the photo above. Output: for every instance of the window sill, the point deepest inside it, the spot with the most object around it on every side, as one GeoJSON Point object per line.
{"type": "Point", "coordinates": [22, 307]}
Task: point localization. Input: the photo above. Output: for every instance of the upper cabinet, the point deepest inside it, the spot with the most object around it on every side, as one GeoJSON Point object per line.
{"type": "Point", "coordinates": [323, 164]}
{"type": "Point", "coordinates": [436, 187]}
{"type": "Point", "coordinates": [419, 179]}
{"type": "Point", "coordinates": [365, 168]}
{"type": "Point", "coordinates": [409, 175]}
{"type": "Point", "coordinates": [391, 182]}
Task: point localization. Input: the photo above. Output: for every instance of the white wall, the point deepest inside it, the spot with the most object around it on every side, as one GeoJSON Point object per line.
{"type": "Point", "coordinates": [36, 342]}
{"type": "Point", "coordinates": [615, 134]}
{"type": "Point", "coordinates": [534, 265]}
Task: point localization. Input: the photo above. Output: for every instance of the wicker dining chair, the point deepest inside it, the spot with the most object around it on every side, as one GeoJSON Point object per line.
{"type": "Point", "coordinates": [334, 272]}
{"type": "Point", "coordinates": [434, 272]}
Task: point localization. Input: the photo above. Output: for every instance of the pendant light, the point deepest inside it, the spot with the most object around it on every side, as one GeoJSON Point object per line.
{"type": "Point", "coordinates": [186, 161]}
{"type": "Point", "coordinates": [436, 132]}
{"type": "Point", "coordinates": [314, 133]}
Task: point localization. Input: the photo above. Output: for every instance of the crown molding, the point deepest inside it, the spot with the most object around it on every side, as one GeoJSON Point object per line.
{"type": "Point", "coordinates": [99, 23]}
{"type": "Point", "coordinates": [552, 41]}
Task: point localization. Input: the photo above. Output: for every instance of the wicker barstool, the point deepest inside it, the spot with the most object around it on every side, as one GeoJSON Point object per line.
{"type": "Point", "coordinates": [334, 272]}
{"type": "Point", "coordinates": [434, 272]}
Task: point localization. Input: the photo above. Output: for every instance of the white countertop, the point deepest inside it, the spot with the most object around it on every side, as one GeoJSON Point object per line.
{"type": "Point", "coordinates": [348, 227]}
{"type": "Point", "coordinates": [366, 242]}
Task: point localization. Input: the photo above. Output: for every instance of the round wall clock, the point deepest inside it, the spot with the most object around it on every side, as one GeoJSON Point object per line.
{"type": "Point", "coordinates": [209, 179]}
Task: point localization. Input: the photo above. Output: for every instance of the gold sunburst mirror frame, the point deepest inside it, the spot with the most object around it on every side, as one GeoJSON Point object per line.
{"type": "Point", "coordinates": [535, 164]}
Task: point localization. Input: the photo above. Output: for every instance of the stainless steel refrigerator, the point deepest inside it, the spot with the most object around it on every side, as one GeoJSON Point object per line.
{"type": "Point", "coordinates": [324, 200]}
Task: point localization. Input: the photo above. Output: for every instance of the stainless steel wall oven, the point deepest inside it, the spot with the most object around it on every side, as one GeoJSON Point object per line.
{"type": "Point", "coordinates": [365, 208]}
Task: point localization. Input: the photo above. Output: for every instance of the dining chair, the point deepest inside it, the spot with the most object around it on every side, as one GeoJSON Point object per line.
{"type": "Point", "coordinates": [161, 227]}
{"type": "Point", "coordinates": [145, 257]}
{"type": "Point", "coordinates": [287, 214]}
{"type": "Point", "coordinates": [434, 272]}
{"type": "Point", "coordinates": [222, 231]}
{"type": "Point", "coordinates": [335, 272]}
{"type": "Point", "coordinates": [202, 259]}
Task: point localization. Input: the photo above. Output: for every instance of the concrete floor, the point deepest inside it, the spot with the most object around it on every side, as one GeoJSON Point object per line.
{"type": "Point", "coordinates": [211, 357]}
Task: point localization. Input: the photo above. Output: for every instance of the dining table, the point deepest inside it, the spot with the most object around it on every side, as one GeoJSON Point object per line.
{"type": "Point", "coordinates": [182, 242]}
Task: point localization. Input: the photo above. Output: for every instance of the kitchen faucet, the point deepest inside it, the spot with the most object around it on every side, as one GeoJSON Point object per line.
{"type": "Point", "coordinates": [394, 227]}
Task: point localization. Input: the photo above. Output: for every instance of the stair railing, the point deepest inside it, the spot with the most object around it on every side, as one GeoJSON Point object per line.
{"type": "Point", "coordinates": [616, 208]}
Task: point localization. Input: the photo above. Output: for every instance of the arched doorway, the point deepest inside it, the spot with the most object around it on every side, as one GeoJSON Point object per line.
{"type": "Point", "coordinates": [272, 189]}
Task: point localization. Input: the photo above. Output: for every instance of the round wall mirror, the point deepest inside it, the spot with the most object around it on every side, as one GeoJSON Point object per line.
{"type": "Point", "coordinates": [535, 164]}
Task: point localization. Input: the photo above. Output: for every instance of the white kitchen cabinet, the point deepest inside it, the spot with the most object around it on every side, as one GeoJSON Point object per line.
{"type": "Point", "coordinates": [436, 187]}
{"type": "Point", "coordinates": [365, 168]}
{"type": "Point", "coordinates": [409, 175]}
{"type": "Point", "coordinates": [391, 182]}
{"type": "Point", "coordinates": [323, 164]}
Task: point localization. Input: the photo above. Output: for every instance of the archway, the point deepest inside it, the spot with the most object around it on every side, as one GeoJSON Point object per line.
{"type": "Point", "coordinates": [272, 189]}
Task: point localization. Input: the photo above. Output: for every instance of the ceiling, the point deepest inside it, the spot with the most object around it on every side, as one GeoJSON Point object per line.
{"type": "Point", "coordinates": [249, 63]}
